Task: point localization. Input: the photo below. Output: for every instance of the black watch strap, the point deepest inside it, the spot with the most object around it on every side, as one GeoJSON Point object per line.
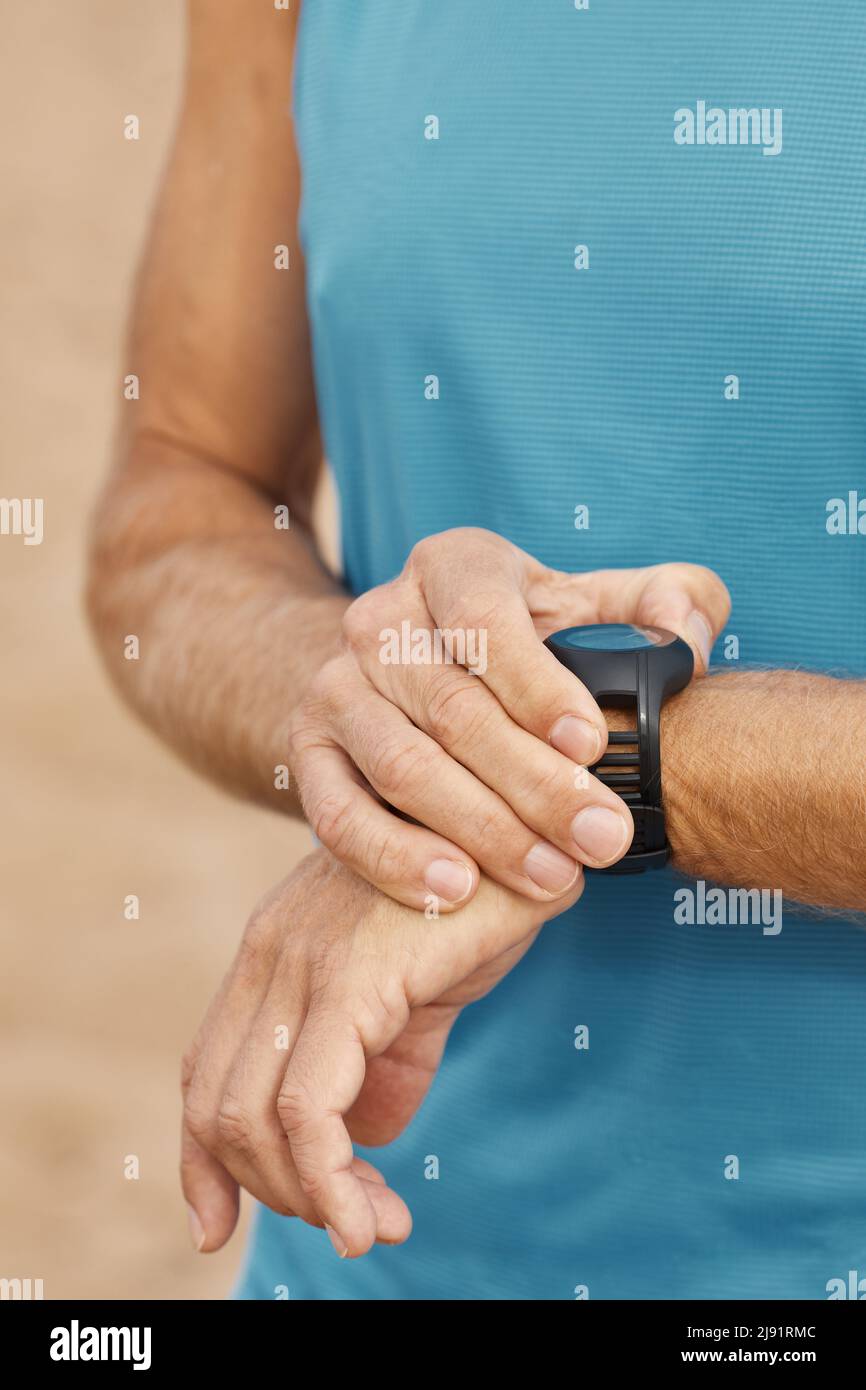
{"type": "Point", "coordinates": [649, 848]}
{"type": "Point", "coordinates": [636, 776]}
{"type": "Point", "coordinates": [637, 671]}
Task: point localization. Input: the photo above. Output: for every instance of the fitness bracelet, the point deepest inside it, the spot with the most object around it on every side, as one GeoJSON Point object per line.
{"type": "Point", "coordinates": [634, 668]}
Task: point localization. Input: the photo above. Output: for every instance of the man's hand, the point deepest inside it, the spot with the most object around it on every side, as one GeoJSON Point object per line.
{"type": "Point", "coordinates": [332, 1020]}
{"type": "Point", "coordinates": [479, 746]}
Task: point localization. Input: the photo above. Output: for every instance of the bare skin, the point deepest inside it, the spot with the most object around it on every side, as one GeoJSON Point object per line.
{"type": "Point", "coordinates": [366, 1000]}
{"type": "Point", "coordinates": [368, 990]}
{"type": "Point", "coordinates": [253, 656]}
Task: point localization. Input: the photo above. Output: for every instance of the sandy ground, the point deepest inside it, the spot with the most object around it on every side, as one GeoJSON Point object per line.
{"type": "Point", "coordinates": [94, 1010]}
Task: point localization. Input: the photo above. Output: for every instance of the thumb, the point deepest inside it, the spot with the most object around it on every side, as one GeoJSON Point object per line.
{"type": "Point", "coordinates": [689, 600]}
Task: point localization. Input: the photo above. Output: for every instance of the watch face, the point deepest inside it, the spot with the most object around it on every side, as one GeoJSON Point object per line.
{"type": "Point", "coordinates": [613, 637]}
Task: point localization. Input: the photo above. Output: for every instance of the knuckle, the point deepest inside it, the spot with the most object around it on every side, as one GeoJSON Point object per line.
{"type": "Point", "coordinates": [382, 1011]}
{"type": "Point", "coordinates": [363, 619]}
{"type": "Point", "coordinates": [257, 946]}
{"type": "Point", "coordinates": [534, 703]}
{"type": "Point", "coordinates": [549, 794]}
{"type": "Point", "coordinates": [333, 821]}
{"type": "Point", "coordinates": [293, 1107]}
{"type": "Point", "coordinates": [311, 718]}
{"type": "Point", "coordinates": [301, 725]}
{"type": "Point", "coordinates": [480, 611]}
{"type": "Point", "coordinates": [493, 833]}
{"type": "Point", "coordinates": [323, 969]}
{"type": "Point", "coordinates": [198, 1119]}
{"type": "Point", "coordinates": [424, 551]}
{"type": "Point", "coordinates": [328, 690]}
{"type": "Point", "coordinates": [234, 1125]}
{"type": "Point", "coordinates": [389, 860]}
{"type": "Point", "coordinates": [312, 1184]}
{"type": "Point", "coordinates": [396, 764]}
{"type": "Point", "coordinates": [300, 738]}
{"type": "Point", "coordinates": [445, 547]}
{"type": "Point", "coordinates": [187, 1068]}
{"type": "Point", "coordinates": [455, 706]}
{"type": "Point", "coordinates": [429, 550]}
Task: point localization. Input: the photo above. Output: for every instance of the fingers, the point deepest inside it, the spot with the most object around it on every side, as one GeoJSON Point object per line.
{"type": "Point", "coordinates": [322, 1080]}
{"type": "Point", "coordinates": [230, 1122]}
{"type": "Point", "coordinates": [240, 1098]}
{"type": "Point", "coordinates": [518, 807]}
{"type": "Point", "coordinates": [547, 792]}
{"type": "Point", "coordinates": [412, 864]}
{"type": "Point", "coordinates": [398, 1079]}
{"type": "Point", "coordinates": [219, 1150]}
{"type": "Point", "coordinates": [393, 1218]}
{"type": "Point", "coordinates": [210, 1191]}
{"type": "Point", "coordinates": [211, 1194]}
{"type": "Point", "coordinates": [487, 627]}
{"type": "Point", "coordinates": [414, 773]}
{"type": "Point", "coordinates": [231, 1132]}
{"type": "Point", "coordinates": [537, 692]}
{"type": "Point", "coordinates": [243, 1144]}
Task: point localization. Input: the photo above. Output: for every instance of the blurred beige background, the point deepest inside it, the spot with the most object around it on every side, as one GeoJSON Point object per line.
{"type": "Point", "coordinates": [94, 1010]}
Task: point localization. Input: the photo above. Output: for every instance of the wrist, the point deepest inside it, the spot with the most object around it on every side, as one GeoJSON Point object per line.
{"type": "Point", "coordinates": [317, 627]}
{"type": "Point", "coordinates": [678, 726]}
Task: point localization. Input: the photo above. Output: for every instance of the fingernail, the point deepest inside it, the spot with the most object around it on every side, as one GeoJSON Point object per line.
{"type": "Point", "coordinates": [576, 738]}
{"type": "Point", "coordinates": [599, 832]}
{"type": "Point", "coordinates": [196, 1229]}
{"type": "Point", "coordinates": [449, 879]}
{"type": "Point", "coordinates": [549, 868]}
{"type": "Point", "coordinates": [338, 1243]}
{"type": "Point", "coordinates": [702, 634]}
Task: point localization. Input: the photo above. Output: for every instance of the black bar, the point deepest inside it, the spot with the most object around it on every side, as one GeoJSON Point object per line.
{"type": "Point", "coordinates": [257, 1339]}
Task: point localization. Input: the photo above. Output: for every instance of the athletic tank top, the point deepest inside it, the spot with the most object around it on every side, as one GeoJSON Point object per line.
{"type": "Point", "coordinates": [595, 278]}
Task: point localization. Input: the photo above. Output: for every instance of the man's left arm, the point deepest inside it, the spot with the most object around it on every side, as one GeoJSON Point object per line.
{"type": "Point", "coordinates": [764, 783]}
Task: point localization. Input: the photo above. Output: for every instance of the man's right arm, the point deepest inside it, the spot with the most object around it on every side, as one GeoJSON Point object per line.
{"type": "Point", "coordinates": [251, 657]}
{"type": "Point", "coordinates": [232, 616]}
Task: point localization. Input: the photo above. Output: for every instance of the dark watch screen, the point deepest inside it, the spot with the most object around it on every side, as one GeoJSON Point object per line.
{"type": "Point", "coordinates": [614, 637]}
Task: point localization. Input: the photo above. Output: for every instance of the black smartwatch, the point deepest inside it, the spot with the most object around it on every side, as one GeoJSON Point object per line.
{"type": "Point", "coordinates": [635, 668]}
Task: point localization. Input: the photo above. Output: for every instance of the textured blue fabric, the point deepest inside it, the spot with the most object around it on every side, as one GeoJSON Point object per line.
{"type": "Point", "coordinates": [606, 387]}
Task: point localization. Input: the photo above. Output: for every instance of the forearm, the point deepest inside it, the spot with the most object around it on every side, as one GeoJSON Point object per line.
{"type": "Point", "coordinates": [233, 617]}
{"type": "Point", "coordinates": [764, 783]}
{"type": "Point", "coordinates": [231, 614]}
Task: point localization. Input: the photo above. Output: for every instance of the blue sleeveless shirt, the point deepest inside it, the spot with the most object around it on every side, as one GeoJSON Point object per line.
{"type": "Point", "coordinates": [623, 314]}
